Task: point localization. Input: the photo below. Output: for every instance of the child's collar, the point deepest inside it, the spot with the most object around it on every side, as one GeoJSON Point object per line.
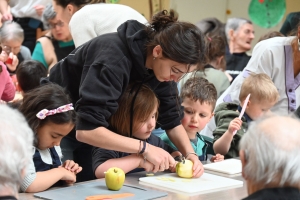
{"type": "Point", "coordinates": [245, 114]}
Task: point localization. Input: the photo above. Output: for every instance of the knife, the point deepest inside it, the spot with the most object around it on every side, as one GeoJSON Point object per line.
{"type": "Point", "coordinates": [243, 109]}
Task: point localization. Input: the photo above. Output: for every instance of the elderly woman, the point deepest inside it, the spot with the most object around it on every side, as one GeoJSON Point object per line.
{"type": "Point", "coordinates": [271, 166]}
{"type": "Point", "coordinates": [11, 38]}
{"type": "Point", "coordinates": [56, 44]}
{"type": "Point", "coordinates": [239, 33]}
{"type": "Point", "coordinates": [16, 151]}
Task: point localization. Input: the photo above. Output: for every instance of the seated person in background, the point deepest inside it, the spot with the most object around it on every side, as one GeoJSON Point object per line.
{"type": "Point", "coordinates": [51, 116]}
{"type": "Point", "coordinates": [16, 140]}
{"type": "Point", "coordinates": [264, 95]}
{"type": "Point", "coordinates": [145, 112]}
{"type": "Point", "coordinates": [214, 71]}
{"type": "Point", "coordinates": [239, 33]}
{"type": "Point", "coordinates": [29, 74]}
{"type": "Point", "coordinates": [270, 159]}
{"type": "Point", "coordinates": [11, 38]}
{"type": "Point", "coordinates": [56, 44]}
{"type": "Point", "coordinates": [269, 35]}
{"type": "Point", "coordinates": [7, 88]}
{"type": "Point", "coordinates": [198, 99]}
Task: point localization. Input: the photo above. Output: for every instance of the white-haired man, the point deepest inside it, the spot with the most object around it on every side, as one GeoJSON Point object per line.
{"type": "Point", "coordinates": [239, 33]}
{"type": "Point", "coordinates": [16, 139]}
{"type": "Point", "coordinates": [270, 157]}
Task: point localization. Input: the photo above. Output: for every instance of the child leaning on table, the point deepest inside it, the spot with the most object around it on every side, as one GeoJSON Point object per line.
{"type": "Point", "coordinates": [51, 116]}
{"type": "Point", "coordinates": [198, 99]}
{"type": "Point", "coordinates": [263, 96]}
{"type": "Point", "coordinates": [145, 112]}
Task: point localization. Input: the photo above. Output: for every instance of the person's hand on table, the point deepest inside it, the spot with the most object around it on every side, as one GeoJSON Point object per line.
{"type": "Point", "coordinates": [68, 176]}
{"type": "Point", "coordinates": [72, 166]}
{"type": "Point", "coordinates": [217, 158]}
{"type": "Point", "coordinates": [197, 167]}
{"type": "Point", "coordinates": [161, 159]}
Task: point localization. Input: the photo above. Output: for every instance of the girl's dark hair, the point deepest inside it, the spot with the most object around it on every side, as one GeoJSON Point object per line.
{"type": "Point", "coordinates": [216, 47]}
{"type": "Point", "coordinates": [29, 73]}
{"type": "Point", "coordinates": [48, 96]}
{"type": "Point", "coordinates": [181, 42]}
{"type": "Point", "coordinates": [77, 3]}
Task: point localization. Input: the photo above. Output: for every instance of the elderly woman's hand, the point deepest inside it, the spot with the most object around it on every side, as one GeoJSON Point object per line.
{"type": "Point", "coordinates": [12, 62]}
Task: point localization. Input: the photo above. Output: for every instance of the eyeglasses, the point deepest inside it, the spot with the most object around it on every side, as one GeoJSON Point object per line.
{"type": "Point", "coordinates": [53, 25]}
{"type": "Point", "coordinates": [6, 49]}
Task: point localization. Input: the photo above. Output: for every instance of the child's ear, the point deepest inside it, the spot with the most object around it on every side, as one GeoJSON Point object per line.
{"type": "Point", "coordinates": [18, 88]}
{"type": "Point", "coordinates": [212, 114]}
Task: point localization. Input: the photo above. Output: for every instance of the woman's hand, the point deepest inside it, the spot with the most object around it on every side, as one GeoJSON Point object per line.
{"type": "Point", "coordinates": [72, 166]}
{"type": "Point", "coordinates": [159, 158]}
{"type": "Point", "coordinates": [197, 167]}
{"type": "Point", "coordinates": [146, 165]}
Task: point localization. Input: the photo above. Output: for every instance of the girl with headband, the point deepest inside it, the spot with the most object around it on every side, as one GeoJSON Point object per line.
{"type": "Point", "coordinates": [51, 116]}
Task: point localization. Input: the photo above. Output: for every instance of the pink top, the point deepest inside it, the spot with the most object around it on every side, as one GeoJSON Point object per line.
{"type": "Point", "coordinates": [7, 88]}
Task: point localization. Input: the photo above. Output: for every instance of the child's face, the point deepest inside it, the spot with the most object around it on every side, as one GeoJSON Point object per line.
{"type": "Point", "coordinates": [257, 109]}
{"type": "Point", "coordinates": [146, 127]}
{"type": "Point", "coordinates": [196, 115]}
{"type": "Point", "coordinates": [50, 134]}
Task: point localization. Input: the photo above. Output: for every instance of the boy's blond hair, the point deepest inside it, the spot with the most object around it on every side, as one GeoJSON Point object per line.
{"type": "Point", "coordinates": [261, 88]}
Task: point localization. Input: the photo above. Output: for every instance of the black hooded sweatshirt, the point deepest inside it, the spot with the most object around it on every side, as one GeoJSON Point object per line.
{"type": "Point", "coordinates": [97, 73]}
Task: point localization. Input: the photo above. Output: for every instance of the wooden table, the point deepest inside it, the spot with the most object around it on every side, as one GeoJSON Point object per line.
{"type": "Point", "coordinates": [230, 194]}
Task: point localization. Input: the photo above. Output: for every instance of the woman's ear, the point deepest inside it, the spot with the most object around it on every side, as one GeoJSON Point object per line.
{"type": "Point", "coordinates": [157, 52]}
{"type": "Point", "coordinates": [71, 9]}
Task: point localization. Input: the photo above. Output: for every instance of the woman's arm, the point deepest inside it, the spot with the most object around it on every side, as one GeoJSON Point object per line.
{"type": "Point", "coordinates": [104, 138]}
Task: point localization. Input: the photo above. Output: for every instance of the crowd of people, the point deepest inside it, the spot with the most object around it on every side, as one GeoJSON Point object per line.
{"type": "Point", "coordinates": [94, 89]}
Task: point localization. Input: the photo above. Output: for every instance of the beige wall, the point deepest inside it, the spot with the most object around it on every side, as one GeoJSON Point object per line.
{"type": "Point", "coordinates": [195, 10]}
{"type": "Point", "coordinates": [143, 6]}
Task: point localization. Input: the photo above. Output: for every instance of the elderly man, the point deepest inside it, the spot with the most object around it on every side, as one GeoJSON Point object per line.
{"type": "Point", "coordinates": [16, 140]}
{"type": "Point", "coordinates": [270, 158]}
{"type": "Point", "coordinates": [239, 33]}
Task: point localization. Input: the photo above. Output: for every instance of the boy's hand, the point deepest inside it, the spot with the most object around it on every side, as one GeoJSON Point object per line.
{"type": "Point", "coordinates": [217, 158]}
{"type": "Point", "coordinates": [72, 166]}
{"type": "Point", "coordinates": [235, 125]}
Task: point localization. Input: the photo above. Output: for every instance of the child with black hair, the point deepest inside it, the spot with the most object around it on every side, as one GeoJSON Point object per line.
{"type": "Point", "coordinates": [51, 116]}
{"type": "Point", "coordinates": [29, 74]}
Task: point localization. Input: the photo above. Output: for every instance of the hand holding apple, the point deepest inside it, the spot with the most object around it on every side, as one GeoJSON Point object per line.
{"type": "Point", "coordinates": [114, 178]}
{"type": "Point", "coordinates": [184, 169]}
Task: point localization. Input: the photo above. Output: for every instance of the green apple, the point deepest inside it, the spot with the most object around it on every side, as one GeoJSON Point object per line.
{"type": "Point", "coordinates": [184, 169]}
{"type": "Point", "coordinates": [114, 178]}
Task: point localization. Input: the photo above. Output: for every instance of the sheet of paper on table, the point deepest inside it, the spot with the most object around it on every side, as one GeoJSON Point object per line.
{"type": "Point", "coordinates": [205, 184]}
{"type": "Point", "coordinates": [229, 166]}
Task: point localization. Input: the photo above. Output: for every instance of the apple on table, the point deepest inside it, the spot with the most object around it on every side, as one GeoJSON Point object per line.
{"type": "Point", "coordinates": [114, 178]}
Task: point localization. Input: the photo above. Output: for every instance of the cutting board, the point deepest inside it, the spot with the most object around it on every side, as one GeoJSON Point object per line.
{"type": "Point", "coordinates": [93, 188]}
{"type": "Point", "coordinates": [229, 166]}
{"type": "Point", "coordinates": [205, 184]}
